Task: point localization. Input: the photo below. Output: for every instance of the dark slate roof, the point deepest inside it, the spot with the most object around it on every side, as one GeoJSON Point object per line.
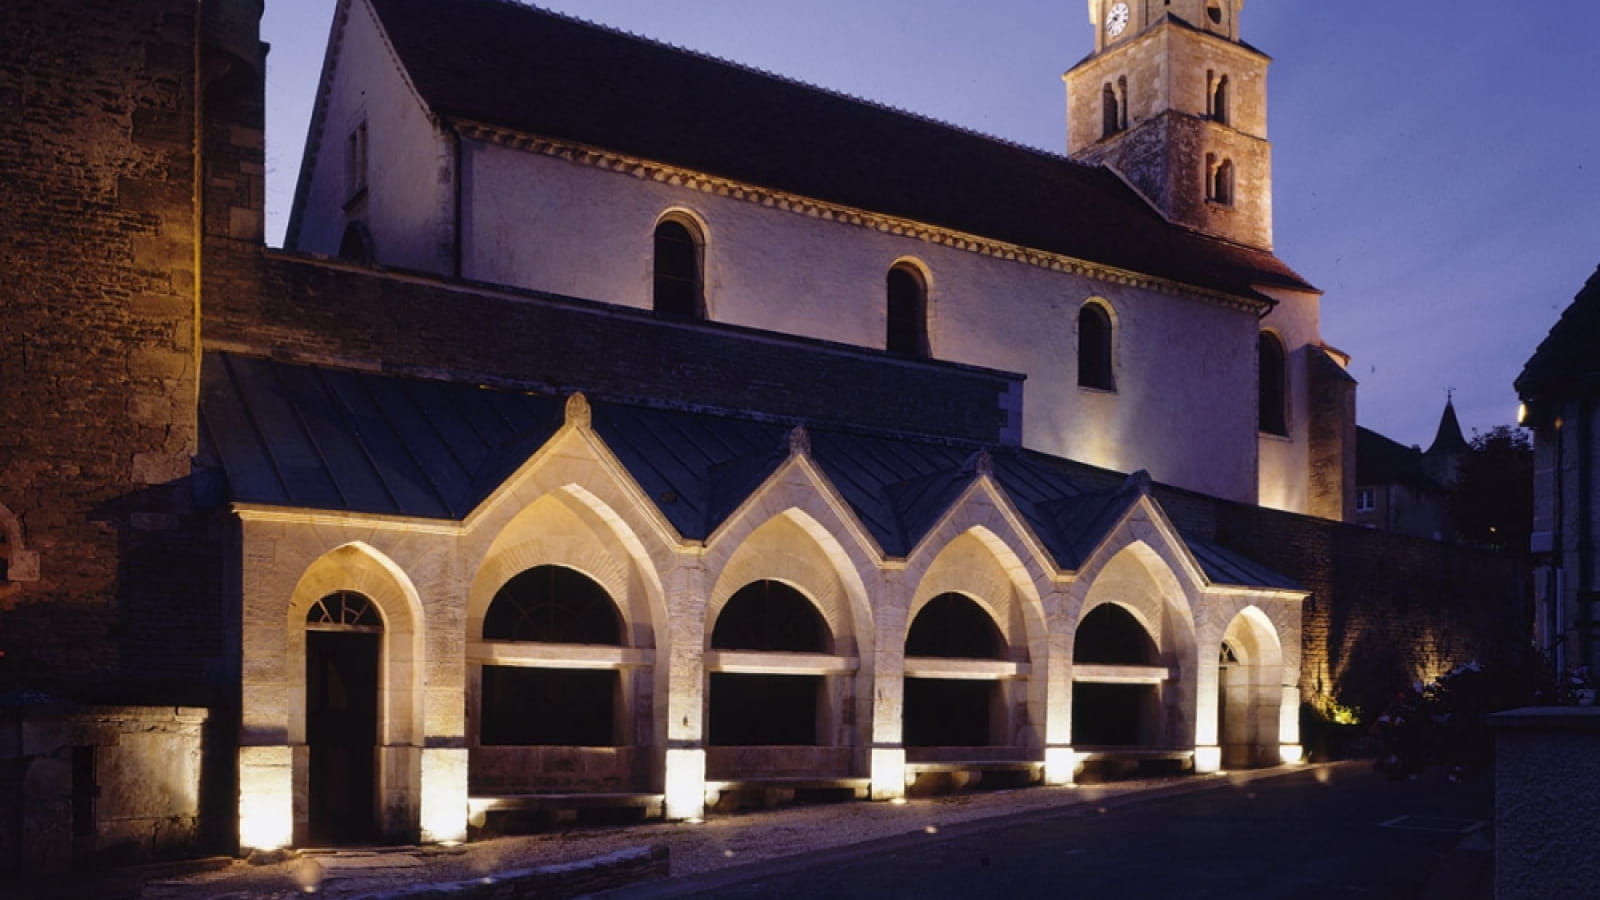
{"type": "Point", "coordinates": [1380, 460]}
{"type": "Point", "coordinates": [1448, 440]}
{"type": "Point", "coordinates": [331, 439]}
{"type": "Point", "coordinates": [696, 468]}
{"type": "Point", "coordinates": [321, 438]}
{"type": "Point", "coordinates": [502, 64]}
{"type": "Point", "coordinates": [1571, 352]}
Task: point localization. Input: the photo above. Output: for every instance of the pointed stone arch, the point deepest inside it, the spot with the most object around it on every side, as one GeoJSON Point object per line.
{"type": "Point", "coordinates": [1143, 570]}
{"type": "Point", "coordinates": [361, 569]}
{"type": "Point", "coordinates": [793, 549]}
{"type": "Point", "coordinates": [1252, 683]}
{"type": "Point", "coordinates": [566, 528]}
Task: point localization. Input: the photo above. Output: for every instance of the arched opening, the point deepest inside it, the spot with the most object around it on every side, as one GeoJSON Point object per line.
{"type": "Point", "coordinates": [356, 244]}
{"type": "Point", "coordinates": [1219, 100]}
{"type": "Point", "coordinates": [344, 642]}
{"type": "Point", "coordinates": [1110, 112]}
{"type": "Point", "coordinates": [1249, 692]}
{"type": "Point", "coordinates": [1121, 705]}
{"type": "Point", "coordinates": [1219, 183]}
{"type": "Point", "coordinates": [757, 708]}
{"type": "Point", "coordinates": [1094, 348]}
{"type": "Point", "coordinates": [954, 712]}
{"type": "Point", "coordinates": [679, 261]}
{"type": "Point", "coordinates": [1272, 393]}
{"type": "Point", "coordinates": [545, 703]}
{"type": "Point", "coordinates": [907, 313]}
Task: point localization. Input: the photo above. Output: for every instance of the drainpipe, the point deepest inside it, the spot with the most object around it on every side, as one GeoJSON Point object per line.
{"type": "Point", "coordinates": [1584, 589]}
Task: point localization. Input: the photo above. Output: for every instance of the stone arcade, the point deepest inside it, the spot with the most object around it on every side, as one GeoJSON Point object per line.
{"type": "Point", "coordinates": [624, 426]}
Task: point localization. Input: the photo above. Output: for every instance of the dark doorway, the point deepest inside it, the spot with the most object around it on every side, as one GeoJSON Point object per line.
{"type": "Point", "coordinates": [342, 735]}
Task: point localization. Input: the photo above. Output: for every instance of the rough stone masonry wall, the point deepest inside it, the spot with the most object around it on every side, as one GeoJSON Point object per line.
{"type": "Point", "coordinates": [120, 600]}
{"type": "Point", "coordinates": [1385, 610]}
{"type": "Point", "coordinates": [97, 347]}
{"type": "Point", "coordinates": [330, 312]}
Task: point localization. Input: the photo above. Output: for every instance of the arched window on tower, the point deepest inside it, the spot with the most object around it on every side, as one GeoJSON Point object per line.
{"type": "Point", "coordinates": [907, 313]}
{"type": "Point", "coordinates": [1219, 99]}
{"type": "Point", "coordinates": [1094, 348]}
{"type": "Point", "coordinates": [1270, 365]}
{"type": "Point", "coordinates": [1219, 180]}
{"type": "Point", "coordinates": [1114, 107]}
{"type": "Point", "coordinates": [679, 259]}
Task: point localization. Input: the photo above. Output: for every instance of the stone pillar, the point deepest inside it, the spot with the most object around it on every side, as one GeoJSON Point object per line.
{"type": "Point", "coordinates": [888, 757]}
{"type": "Point", "coordinates": [687, 589]}
{"type": "Point", "coordinates": [1546, 802]}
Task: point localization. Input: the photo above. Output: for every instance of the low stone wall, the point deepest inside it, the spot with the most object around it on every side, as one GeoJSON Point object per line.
{"type": "Point", "coordinates": [1546, 802]}
{"type": "Point", "coordinates": [522, 770]}
{"type": "Point", "coordinates": [733, 763]}
{"type": "Point", "coordinates": [103, 785]}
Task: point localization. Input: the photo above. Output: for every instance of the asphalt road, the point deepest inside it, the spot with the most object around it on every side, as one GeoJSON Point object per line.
{"type": "Point", "coordinates": [1345, 833]}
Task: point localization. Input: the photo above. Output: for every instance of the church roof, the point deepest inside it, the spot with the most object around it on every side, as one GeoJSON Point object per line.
{"type": "Point", "coordinates": [1571, 352]}
{"type": "Point", "coordinates": [319, 438]}
{"type": "Point", "coordinates": [503, 64]}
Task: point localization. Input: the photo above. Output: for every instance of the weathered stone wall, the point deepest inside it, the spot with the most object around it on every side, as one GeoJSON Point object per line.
{"type": "Point", "coordinates": [112, 583]}
{"type": "Point", "coordinates": [315, 311]}
{"type": "Point", "coordinates": [97, 349]}
{"type": "Point", "coordinates": [99, 785]}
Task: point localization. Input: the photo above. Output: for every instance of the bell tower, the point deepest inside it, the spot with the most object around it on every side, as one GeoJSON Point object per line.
{"type": "Point", "coordinates": [1176, 103]}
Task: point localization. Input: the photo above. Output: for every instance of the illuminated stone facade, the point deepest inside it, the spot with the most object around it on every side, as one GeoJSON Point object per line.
{"type": "Point", "coordinates": [201, 492]}
{"type": "Point", "coordinates": [477, 197]}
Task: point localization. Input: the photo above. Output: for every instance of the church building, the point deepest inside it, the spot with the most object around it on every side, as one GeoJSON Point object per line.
{"type": "Point", "coordinates": [622, 426]}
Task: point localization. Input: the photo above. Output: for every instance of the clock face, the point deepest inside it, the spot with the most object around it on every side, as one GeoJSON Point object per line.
{"type": "Point", "coordinates": [1117, 19]}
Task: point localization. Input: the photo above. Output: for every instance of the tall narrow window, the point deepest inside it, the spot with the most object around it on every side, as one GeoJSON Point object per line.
{"type": "Point", "coordinates": [1269, 352]}
{"type": "Point", "coordinates": [1094, 348]}
{"type": "Point", "coordinates": [678, 291]}
{"type": "Point", "coordinates": [907, 313]}
{"type": "Point", "coordinates": [355, 161]}
{"type": "Point", "coordinates": [1219, 180]}
{"type": "Point", "coordinates": [1219, 101]}
{"type": "Point", "coordinates": [1114, 107]}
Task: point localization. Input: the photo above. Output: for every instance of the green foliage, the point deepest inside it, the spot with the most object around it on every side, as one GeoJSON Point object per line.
{"type": "Point", "coordinates": [1445, 722]}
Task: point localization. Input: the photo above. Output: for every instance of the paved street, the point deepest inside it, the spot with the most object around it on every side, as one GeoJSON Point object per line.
{"type": "Point", "coordinates": [1315, 834]}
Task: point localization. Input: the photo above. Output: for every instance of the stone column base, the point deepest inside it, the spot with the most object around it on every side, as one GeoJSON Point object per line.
{"type": "Point", "coordinates": [888, 773]}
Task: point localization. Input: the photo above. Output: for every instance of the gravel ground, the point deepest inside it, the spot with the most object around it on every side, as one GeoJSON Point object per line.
{"type": "Point", "coordinates": [716, 843]}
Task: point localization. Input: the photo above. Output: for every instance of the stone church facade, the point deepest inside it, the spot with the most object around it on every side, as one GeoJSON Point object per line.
{"type": "Point", "coordinates": [567, 458]}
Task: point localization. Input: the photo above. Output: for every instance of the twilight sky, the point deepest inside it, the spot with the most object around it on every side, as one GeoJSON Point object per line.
{"type": "Point", "coordinates": [1436, 165]}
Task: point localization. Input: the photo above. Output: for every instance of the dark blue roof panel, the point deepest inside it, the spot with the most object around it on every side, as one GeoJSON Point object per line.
{"type": "Point", "coordinates": [322, 438]}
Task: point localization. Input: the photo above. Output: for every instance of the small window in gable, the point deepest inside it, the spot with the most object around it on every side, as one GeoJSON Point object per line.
{"type": "Point", "coordinates": [907, 313]}
{"type": "Point", "coordinates": [355, 161]}
{"type": "Point", "coordinates": [678, 263]}
{"type": "Point", "coordinates": [1274, 417]}
{"type": "Point", "coordinates": [1094, 348]}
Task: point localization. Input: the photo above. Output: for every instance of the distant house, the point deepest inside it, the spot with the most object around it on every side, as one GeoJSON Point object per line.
{"type": "Point", "coordinates": [1560, 389]}
{"type": "Point", "coordinates": [1407, 490]}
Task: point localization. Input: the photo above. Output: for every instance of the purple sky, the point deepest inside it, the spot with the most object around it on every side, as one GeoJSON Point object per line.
{"type": "Point", "coordinates": [1436, 164]}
